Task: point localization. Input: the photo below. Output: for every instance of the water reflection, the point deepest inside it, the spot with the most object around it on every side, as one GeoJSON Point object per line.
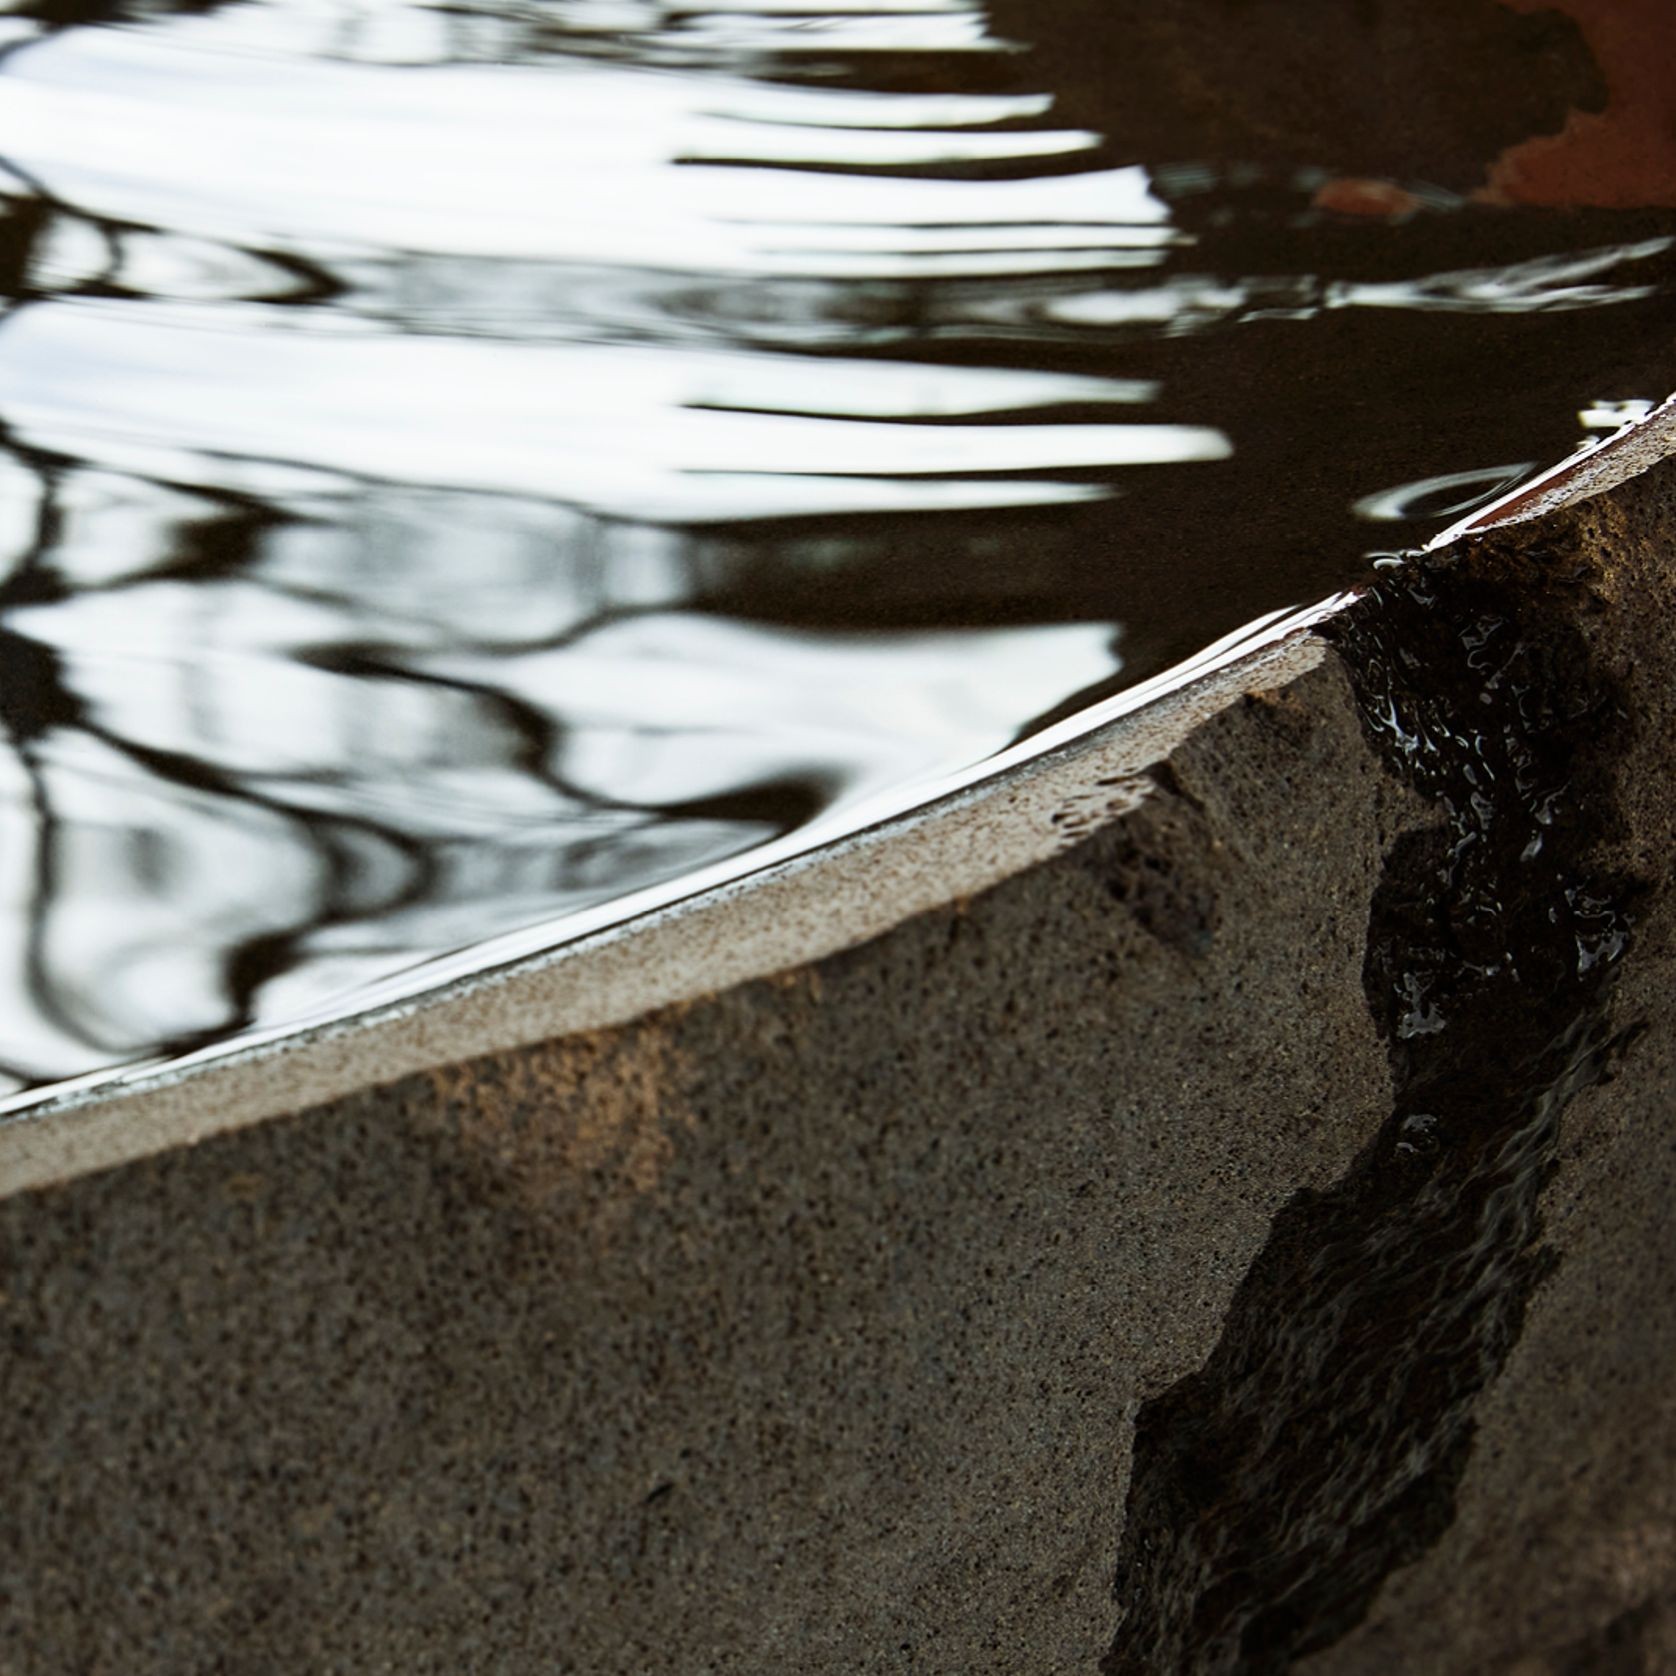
{"type": "Point", "coordinates": [462, 469]}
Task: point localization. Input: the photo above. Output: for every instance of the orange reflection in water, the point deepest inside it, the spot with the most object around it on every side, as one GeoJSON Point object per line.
{"type": "Point", "coordinates": [1625, 156]}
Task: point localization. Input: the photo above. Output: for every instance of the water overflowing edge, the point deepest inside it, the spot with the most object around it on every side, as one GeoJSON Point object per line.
{"type": "Point", "coordinates": [1596, 467]}
{"type": "Point", "coordinates": [494, 997]}
{"type": "Point", "coordinates": [485, 971]}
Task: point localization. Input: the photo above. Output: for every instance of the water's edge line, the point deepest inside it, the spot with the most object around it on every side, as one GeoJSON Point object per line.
{"type": "Point", "coordinates": [830, 895]}
{"type": "Point", "coordinates": [1597, 467]}
{"type": "Point", "coordinates": [807, 897]}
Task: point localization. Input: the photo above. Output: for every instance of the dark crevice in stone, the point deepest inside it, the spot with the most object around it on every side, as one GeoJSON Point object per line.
{"type": "Point", "coordinates": [1322, 1443]}
{"type": "Point", "coordinates": [1145, 867]}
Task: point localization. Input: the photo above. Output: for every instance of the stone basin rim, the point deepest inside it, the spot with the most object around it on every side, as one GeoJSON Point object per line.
{"type": "Point", "coordinates": [766, 922]}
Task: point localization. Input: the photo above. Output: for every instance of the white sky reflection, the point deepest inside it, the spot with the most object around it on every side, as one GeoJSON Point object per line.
{"type": "Point", "coordinates": [470, 474]}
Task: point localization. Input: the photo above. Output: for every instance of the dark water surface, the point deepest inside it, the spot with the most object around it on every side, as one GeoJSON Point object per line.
{"type": "Point", "coordinates": [469, 472]}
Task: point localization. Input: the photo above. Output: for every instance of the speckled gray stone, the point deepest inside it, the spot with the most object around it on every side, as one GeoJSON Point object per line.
{"type": "Point", "coordinates": [797, 1329]}
{"type": "Point", "coordinates": [802, 1328]}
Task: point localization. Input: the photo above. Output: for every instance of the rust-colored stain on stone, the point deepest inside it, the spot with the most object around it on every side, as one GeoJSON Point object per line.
{"type": "Point", "coordinates": [1625, 156]}
{"type": "Point", "coordinates": [588, 1117]}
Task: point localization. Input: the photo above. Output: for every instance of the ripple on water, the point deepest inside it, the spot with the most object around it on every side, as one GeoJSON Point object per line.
{"type": "Point", "coordinates": [468, 474]}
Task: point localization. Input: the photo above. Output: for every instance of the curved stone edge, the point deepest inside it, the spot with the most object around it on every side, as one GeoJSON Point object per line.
{"type": "Point", "coordinates": [1595, 471]}
{"type": "Point", "coordinates": [806, 1326]}
{"type": "Point", "coordinates": [769, 922]}
{"type": "Point", "coordinates": [796, 1328]}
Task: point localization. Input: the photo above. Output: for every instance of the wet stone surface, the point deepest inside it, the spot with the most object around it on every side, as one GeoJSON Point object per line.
{"type": "Point", "coordinates": [1322, 1445]}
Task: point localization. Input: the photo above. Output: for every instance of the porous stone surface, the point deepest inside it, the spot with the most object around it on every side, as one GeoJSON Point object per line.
{"type": "Point", "coordinates": [808, 1327]}
{"type": "Point", "coordinates": [797, 1329]}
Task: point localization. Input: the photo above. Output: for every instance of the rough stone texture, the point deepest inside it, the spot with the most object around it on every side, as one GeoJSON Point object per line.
{"type": "Point", "coordinates": [800, 1329]}
{"type": "Point", "coordinates": [805, 1328]}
